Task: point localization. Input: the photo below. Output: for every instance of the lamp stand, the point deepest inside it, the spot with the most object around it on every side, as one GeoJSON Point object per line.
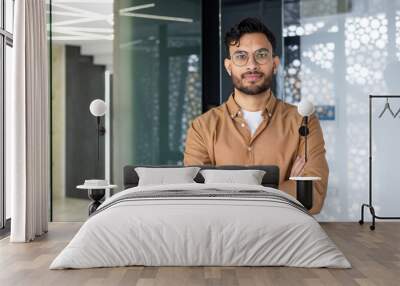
{"type": "Point", "coordinates": [304, 131]}
{"type": "Point", "coordinates": [100, 132]}
{"type": "Point", "coordinates": [98, 138]}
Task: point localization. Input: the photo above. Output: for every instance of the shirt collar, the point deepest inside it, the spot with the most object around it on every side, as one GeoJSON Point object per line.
{"type": "Point", "coordinates": [234, 108]}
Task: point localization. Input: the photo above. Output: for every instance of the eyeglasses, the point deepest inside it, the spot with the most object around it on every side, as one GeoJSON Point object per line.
{"type": "Point", "coordinates": [241, 58]}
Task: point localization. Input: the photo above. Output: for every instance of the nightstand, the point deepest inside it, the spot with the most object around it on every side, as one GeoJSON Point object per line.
{"type": "Point", "coordinates": [96, 194]}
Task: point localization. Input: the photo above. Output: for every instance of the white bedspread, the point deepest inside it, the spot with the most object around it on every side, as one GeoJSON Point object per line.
{"type": "Point", "coordinates": [200, 231]}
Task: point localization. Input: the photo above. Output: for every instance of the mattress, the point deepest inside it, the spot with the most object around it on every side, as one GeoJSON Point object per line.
{"type": "Point", "coordinates": [201, 225]}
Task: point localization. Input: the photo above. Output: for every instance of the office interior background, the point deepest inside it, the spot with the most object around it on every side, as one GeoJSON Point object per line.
{"type": "Point", "coordinates": [158, 67]}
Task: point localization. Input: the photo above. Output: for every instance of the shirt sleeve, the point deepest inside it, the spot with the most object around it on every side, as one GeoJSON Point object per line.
{"type": "Point", "coordinates": [196, 152]}
{"type": "Point", "coordinates": [316, 165]}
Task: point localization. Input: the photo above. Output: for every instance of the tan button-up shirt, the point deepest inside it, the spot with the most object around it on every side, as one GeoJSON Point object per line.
{"type": "Point", "coordinates": [221, 137]}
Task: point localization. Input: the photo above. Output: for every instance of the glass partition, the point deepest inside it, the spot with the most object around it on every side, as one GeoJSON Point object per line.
{"type": "Point", "coordinates": [81, 37]}
{"type": "Point", "coordinates": [337, 53]}
{"type": "Point", "coordinates": [144, 60]}
{"type": "Point", "coordinates": [157, 84]}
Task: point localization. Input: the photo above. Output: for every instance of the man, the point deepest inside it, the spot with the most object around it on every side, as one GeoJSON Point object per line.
{"type": "Point", "coordinates": [253, 127]}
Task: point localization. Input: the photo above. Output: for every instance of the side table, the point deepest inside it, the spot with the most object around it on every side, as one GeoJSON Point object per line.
{"type": "Point", "coordinates": [95, 194]}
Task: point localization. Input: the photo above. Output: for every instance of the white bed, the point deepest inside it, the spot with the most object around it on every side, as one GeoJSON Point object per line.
{"type": "Point", "coordinates": [184, 230]}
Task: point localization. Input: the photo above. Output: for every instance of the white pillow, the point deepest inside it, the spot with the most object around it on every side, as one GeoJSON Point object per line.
{"type": "Point", "coordinates": [248, 177]}
{"type": "Point", "coordinates": [163, 176]}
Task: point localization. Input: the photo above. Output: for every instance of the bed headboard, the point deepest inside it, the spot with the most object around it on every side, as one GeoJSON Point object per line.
{"type": "Point", "coordinates": [270, 179]}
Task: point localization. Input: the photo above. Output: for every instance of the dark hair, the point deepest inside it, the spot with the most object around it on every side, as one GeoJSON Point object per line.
{"type": "Point", "coordinates": [248, 25]}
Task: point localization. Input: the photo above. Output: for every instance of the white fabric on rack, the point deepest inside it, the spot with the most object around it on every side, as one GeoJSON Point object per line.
{"type": "Point", "coordinates": [27, 119]}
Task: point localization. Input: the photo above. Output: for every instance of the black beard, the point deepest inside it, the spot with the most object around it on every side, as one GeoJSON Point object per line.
{"type": "Point", "coordinates": [254, 90]}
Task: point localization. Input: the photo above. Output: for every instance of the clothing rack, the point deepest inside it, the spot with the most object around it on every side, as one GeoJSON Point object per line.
{"type": "Point", "coordinates": [370, 205]}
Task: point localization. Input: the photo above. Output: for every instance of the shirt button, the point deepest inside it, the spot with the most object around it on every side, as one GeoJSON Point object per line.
{"type": "Point", "coordinates": [243, 125]}
{"type": "Point", "coordinates": [249, 148]}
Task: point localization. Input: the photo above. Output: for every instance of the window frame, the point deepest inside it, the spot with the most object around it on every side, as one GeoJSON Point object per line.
{"type": "Point", "coordinates": [6, 39]}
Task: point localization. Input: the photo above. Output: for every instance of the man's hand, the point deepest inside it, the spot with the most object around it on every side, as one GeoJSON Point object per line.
{"type": "Point", "coordinates": [298, 167]}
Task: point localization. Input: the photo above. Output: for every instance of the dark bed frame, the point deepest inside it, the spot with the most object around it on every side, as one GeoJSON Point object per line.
{"type": "Point", "coordinates": [270, 179]}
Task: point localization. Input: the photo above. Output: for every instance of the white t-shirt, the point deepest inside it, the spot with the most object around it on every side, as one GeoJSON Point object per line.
{"type": "Point", "coordinates": [253, 119]}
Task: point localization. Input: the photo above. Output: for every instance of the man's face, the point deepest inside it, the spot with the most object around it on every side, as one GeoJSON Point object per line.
{"type": "Point", "coordinates": [254, 76]}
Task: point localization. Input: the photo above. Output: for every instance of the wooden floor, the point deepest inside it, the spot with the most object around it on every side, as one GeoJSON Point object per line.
{"type": "Point", "coordinates": [375, 257]}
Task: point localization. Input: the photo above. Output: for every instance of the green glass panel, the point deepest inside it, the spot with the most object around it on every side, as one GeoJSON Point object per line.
{"type": "Point", "coordinates": [157, 82]}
